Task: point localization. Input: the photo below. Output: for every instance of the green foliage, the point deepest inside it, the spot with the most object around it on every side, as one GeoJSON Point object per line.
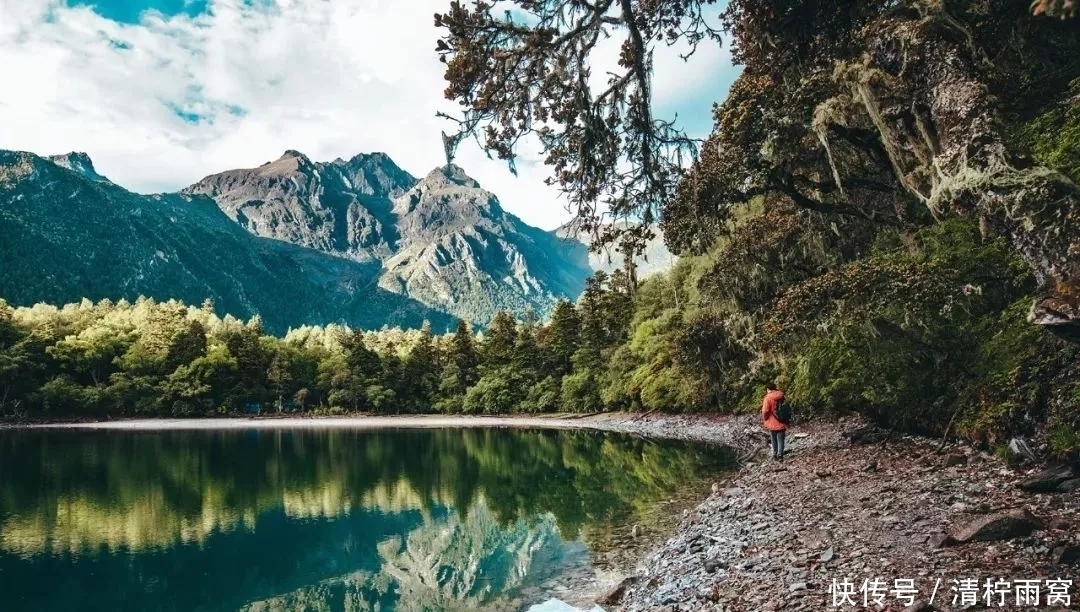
{"type": "Point", "coordinates": [1053, 137]}
{"type": "Point", "coordinates": [1065, 441]}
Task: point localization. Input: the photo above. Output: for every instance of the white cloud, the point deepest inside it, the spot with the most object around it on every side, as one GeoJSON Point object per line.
{"type": "Point", "coordinates": [329, 78]}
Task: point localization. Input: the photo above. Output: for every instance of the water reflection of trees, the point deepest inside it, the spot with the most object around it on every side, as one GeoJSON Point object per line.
{"type": "Point", "coordinates": [80, 491]}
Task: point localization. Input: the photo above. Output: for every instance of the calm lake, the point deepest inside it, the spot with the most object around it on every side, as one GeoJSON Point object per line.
{"type": "Point", "coordinates": [320, 520]}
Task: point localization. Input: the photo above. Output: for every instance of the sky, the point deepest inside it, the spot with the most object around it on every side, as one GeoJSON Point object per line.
{"type": "Point", "coordinates": [161, 93]}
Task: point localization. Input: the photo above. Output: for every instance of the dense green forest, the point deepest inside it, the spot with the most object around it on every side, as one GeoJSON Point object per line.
{"type": "Point", "coordinates": [885, 220]}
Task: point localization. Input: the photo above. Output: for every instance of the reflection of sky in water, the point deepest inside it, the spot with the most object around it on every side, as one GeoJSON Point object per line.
{"type": "Point", "coordinates": [276, 521]}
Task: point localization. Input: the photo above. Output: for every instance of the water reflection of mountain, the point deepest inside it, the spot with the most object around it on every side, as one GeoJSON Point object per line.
{"type": "Point", "coordinates": [342, 519]}
{"type": "Point", "coordinates": [449, 563]}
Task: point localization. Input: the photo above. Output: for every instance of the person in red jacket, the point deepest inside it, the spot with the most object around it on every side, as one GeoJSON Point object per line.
{"type": "Point", "coordinates": [777, 428]}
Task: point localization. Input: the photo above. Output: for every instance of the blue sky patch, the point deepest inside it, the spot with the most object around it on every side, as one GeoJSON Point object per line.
{"type": "Point", "coordinates": [186, 115]}
{"type": "Point", "coordinates": [129, 11]}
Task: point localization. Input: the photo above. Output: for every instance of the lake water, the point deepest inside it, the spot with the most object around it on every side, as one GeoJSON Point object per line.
{"type": "Point", "coordinates": [320, 520]}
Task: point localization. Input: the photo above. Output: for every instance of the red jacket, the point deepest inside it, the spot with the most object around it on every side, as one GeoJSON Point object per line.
{"type": "Point", "coordinates": [768, 411]}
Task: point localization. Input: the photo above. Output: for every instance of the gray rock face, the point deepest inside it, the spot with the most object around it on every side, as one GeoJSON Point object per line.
{"type": "Point", "coordinates": [341, 207]}
{"type": "Point", "coordinates": [443, 240]}
{"type": "Point", "coordinates": [458, 250]}
{"type": "Point", "coordinates": [78, 162]}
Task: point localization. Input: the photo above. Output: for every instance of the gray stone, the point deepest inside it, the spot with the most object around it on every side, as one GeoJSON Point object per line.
{"type": "Point", "coordinates": [1049, 479]}
{"type": "Point", "coordinates": [827, 555]}
{"type": "Point", "coordinates": [1069, 486]}
{"type": "Point", "coordinates": [940, 540]}
{"type": "Point", "coordinates": [666, 594]}
{"type": "Point", "coordinates": [1000, 526]}
{"type": "Point", "coordinates": [955, 459]}
{"type": "Point", "coordinates": [1020, 448]}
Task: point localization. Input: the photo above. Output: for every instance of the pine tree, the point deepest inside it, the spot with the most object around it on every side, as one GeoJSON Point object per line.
{"type": "Point", "coordinates": [421, 372]}
{"type": "Point", "coordinates": [561, 338]}
{"type": "Point", "coordinates": [499, 341]}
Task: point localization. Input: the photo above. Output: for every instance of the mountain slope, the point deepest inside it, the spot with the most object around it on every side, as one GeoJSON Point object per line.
{"type": "Point", "coordinates": [68, 233]}
{"type": "Point", "coordinates": [444, 240]}
{"type": "Point", "coordinates": [460, 251]}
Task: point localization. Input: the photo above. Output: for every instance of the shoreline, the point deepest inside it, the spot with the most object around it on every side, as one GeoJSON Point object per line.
{"type": "Point", "coordinates": [774, 535]}
{"type": "Point", "coordinates": [736, 431]}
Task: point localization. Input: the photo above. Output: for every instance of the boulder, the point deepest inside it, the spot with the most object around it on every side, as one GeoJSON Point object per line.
{"type": "Point", "coordinates": [941, 540]}
{"type": "Point", "coordinates": [1020, 448]}
{"type": "Point", "coordinates": [1050, 479]}
{"type": "Point", "coordinates": [615, 593]}
{"type": "Point", "coordinates": [714, 564]}
{"type": "Point", "coordinates": [870, 434]}
{"type": "Point", "coordinates": [1069, 485]}
{"type": "Point", "coordinates": [999, 526]}
{"type": "Point", "coordinates": [1066, 554]}
{"type": "Point", "coordinates": [955, 459]}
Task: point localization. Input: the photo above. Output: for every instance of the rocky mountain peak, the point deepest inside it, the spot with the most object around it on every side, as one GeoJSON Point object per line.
{"type": "Point", "coordinates": [443, 241]}
{"type": "Point", "coordinates": [374, 174]}
{"type": "Point", "coordinates": [80, 162]}
{"type": "Point", "coordinates": [449, 176]}
{"type": "Point", "coordinates": [291, 161]}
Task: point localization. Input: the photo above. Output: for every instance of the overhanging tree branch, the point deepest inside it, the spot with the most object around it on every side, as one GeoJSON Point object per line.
{"type": "Point", "coordinates": [524, 69]}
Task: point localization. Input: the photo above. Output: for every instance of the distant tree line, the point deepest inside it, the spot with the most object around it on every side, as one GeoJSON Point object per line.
{"type": "Point", "coordinates": [109, 359]}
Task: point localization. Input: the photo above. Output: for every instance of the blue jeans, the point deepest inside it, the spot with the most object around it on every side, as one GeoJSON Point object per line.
{"type": "Point", "coordinates": [778, 442]}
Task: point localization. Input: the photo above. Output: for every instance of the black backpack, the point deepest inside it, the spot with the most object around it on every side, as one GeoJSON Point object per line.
{"type": "Point", "coordinates": [783, 411]}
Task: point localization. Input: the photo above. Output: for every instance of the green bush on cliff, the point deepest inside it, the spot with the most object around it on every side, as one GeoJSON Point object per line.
{"type": "Point", "coordinates": [1052, 138]}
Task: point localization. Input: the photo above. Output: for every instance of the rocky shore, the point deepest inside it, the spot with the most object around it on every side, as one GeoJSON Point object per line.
{"type": "Point", "coordinates": [844, 525]}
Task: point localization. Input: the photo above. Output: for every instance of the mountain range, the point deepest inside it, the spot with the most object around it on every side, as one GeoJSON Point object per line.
{"type": "Point", "coordinates": [356, 241]}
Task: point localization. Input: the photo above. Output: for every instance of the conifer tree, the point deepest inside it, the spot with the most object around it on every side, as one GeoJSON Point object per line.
{"type": "Point", "coordinates": [561, 337]}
